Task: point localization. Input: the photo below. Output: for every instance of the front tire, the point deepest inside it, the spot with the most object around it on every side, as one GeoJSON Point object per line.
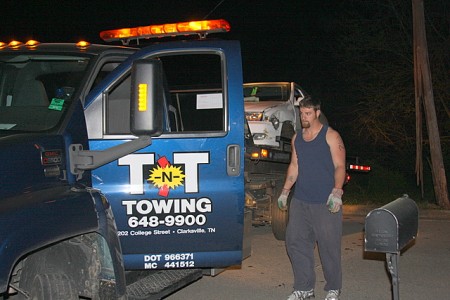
{"type": "Point", "coordinates": [48, 286]}
{"type": "Point", "coordinates": [67, 270]}
{"type": "Point", "coordinates": [287, 132]}
{"type": "Point", "coordinates": [279, 218]}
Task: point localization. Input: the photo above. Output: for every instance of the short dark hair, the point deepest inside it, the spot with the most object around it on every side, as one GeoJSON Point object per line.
{"type": "Point", "coordinates": [310, 103]}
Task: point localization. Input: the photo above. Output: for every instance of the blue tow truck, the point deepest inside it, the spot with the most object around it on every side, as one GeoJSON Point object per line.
{"type": "Point", "coordinates": [122, 173]}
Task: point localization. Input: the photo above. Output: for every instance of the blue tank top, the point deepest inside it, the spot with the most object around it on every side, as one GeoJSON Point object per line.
{"type": "Point", "coordinates": [315, 179]}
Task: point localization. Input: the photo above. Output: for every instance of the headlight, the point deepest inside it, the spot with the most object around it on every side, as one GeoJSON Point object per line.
{"type": "Point", "coordinates": [253, 116]}
{"type": "Point", "coordinates": [275, 122]}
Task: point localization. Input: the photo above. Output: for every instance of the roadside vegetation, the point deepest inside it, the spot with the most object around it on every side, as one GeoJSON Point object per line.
{"type": "Point", "coordinates": [372, 101]}
{"type": "Point", "coordinates": [383, 185]}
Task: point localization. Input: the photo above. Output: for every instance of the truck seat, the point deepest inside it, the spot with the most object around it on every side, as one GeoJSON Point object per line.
{"type": "Point", "coordinates": [30, 93]}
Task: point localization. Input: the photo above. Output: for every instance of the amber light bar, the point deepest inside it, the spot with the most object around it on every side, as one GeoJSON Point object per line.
{"type": "Point", "coordinates": [31, 44]}
{"type": "Point", "coordinates": [201, 28]}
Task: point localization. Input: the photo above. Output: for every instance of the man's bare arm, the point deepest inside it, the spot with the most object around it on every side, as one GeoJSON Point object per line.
{"type": "Point", "coordinates": [337, 149]}
{"type": "Point", "coordinates": [292, 171]}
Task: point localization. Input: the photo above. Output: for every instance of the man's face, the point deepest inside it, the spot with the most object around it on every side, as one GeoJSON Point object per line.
{"type": "Point", "coordinates": [307, 116]}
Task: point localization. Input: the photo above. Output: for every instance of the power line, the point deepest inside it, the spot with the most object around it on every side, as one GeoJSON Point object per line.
{"type": "Point", "coordinates": [207, 15]}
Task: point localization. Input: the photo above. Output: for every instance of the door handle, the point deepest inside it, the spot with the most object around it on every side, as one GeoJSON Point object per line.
{"type": "Point", "coordinates": [233, 160]}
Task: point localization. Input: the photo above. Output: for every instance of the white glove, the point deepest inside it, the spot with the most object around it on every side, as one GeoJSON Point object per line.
{"type": "Point", "coordinates": [334, 202]}
{"type": "Point", "coordinates": [282, 200]}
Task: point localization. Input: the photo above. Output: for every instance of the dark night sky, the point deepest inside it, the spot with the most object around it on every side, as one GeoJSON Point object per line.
{"type": "Point", "coordinates": [288, 40]}
{"type": "Point", "coordinates": [280, 39]}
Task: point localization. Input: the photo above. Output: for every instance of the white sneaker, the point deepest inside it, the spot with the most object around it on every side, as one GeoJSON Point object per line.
{"type": "Point", "coordinates": [301, 295]}
{"type": "Point", "coordinates": [333, 295]}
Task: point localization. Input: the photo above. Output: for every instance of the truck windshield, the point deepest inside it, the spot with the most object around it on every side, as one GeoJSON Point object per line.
{"type": "Point", "coordinates": [266, 92]}
{"type": "Point", "coordinates": [36, 90]}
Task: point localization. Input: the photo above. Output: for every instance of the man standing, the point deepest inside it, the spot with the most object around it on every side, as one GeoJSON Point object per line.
{"type": "Point", "coordinates": [317, 169]}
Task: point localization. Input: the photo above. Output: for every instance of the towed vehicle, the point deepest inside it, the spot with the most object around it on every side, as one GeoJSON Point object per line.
{"type": "Point", "coordinates": [271, 109]}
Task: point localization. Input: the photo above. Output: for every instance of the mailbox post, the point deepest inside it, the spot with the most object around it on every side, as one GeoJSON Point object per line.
{"type": "Point", "coordinates": [389, 229]}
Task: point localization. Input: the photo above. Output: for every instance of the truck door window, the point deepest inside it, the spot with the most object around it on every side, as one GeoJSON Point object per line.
{"type": "Point", "coordinates": [195, 98]}
{"type": "Point", "coordinates": [196, 92]}
{"type": "Point", "coordinates": [104, 70]}
{"type": "Point", "coordinates": [118, 108]}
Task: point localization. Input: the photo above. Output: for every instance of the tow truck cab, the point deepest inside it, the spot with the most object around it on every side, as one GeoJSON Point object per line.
{"type": "Point", "coordinates": [119, 159]}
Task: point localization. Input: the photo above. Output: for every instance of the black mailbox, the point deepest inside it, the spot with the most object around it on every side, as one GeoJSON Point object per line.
{"type": "Point", "coordinates": [391, 227]}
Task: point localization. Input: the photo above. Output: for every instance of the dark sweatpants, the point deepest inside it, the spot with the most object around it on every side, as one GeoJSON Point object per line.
{"type": "Point", "coordinates": [308, 224]}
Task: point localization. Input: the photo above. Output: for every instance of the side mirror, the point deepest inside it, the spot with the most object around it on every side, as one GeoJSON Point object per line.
{"type": "Point", "coordinates": [147, 98]}
{"type": "Point", "coordinates": [298, 99]}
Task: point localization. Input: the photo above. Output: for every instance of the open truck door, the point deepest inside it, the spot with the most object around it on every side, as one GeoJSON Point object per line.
{"type": "Point", "coordinates": [179, 202]}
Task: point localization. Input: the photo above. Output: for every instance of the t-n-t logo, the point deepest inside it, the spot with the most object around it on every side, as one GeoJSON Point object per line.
{"type": "Point", "coordinates": [165, 175]}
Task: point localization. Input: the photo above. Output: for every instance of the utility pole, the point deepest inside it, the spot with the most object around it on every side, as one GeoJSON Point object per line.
{"type": "Point", "coordinates": [424, 96]}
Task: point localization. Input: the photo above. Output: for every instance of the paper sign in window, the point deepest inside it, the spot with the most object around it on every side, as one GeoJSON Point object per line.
{"type": "Point", "coordinates": [209, 101]}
